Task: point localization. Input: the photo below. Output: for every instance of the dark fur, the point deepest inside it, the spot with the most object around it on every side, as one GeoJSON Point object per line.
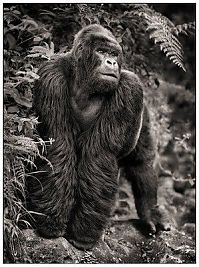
{"type": "Point", "coordinates": [76, 197]}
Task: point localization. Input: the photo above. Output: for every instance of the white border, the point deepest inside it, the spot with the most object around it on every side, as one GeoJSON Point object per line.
{"type": "Point", "coordinates": [1, 117]}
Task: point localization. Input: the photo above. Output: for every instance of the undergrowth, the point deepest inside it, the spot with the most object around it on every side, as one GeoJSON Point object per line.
{"type": "Point", "coordinates": [20, 138]}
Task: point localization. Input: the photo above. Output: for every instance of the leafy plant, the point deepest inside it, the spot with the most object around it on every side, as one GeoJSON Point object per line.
{"type": "Point", "coordinates": [164, 33]}
{"type": "Point", "coordinates": [21, 145]}
{"type": "Point", "coordinates": [44, 52]}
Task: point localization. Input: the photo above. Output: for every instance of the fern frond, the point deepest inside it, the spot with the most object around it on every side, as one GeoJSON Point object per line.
{"type": "Point", "coordinates": [186, 28]}
{"type": "Point", "coordinates": [164, 33]}
{"type": "Point", "coordinates": [19, 170]}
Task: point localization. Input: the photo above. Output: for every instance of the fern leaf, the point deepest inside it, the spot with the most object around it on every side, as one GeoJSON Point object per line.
{"type": "Point", "coordinates": [19, 170]}
{"type": "Point", "coordinates": [164, 33]}
{"type": "Point", "coordinates": [186, 28]}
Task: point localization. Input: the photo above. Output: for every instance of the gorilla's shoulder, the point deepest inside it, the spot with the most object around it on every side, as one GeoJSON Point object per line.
{"type": "Point", "coordinates": [131, 83]}
{"type": "Point", "coordinates": [59, 63]}
{"type": "Point", "coordinates": [130, 77]}
{"type": "Point", "coordinates": [61, 57]}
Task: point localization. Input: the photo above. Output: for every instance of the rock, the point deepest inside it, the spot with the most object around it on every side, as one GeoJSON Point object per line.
{"type": "Point", "coordinates": [129, 243]}
{"type": "Point", "coordinates": [42, 250]}
{"type": "Point", "coordinates": [59, 250]}
{"type": "Point", "coordinates": [127, 240]}
{"type": "Point", "coordinates": [190, 228]}
{"type": "Point", "coordinates": [180, 185]}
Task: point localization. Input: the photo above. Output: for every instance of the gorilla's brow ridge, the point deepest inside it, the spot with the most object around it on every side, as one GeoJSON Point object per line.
{"type": "Point", "coordinates": [109, 47]}
{"type": "Point", "coordinates": [99, 40]}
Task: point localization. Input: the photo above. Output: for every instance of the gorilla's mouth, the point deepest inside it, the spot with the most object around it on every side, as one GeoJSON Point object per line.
{"type": "Point", "coordinates": [111, 75]}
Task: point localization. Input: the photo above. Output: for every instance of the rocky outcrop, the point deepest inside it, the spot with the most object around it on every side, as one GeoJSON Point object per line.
{"type": "Point", "coordinates": [126, 244]}
{"type": "Point", "coordinates": [128, 240]}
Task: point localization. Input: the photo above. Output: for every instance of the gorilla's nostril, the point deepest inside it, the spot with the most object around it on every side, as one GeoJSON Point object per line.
{"type": "Point", "coordinates": [110, 62]}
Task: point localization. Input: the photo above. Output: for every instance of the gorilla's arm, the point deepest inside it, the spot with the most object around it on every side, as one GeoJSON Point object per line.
{"type": "Point", "coordinates": [51, 96]}
{"type": "Point", "coordinates": [52, 192]}
{"type": "Point", "coordinates": [97, 181]}
{"type": "Point", "coordinates": [140, 172]}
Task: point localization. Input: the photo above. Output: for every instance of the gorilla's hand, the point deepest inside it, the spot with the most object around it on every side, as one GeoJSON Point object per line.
{"type": "Point", "coordinates": [158, 218]}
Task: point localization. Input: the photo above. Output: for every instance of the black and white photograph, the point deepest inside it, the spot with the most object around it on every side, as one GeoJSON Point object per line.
{"type": "Point", "coordinates": [99, 133]}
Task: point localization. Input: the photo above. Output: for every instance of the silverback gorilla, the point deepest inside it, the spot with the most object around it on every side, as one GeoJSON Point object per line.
{"type": "Point", "coordinates": [93, 109]}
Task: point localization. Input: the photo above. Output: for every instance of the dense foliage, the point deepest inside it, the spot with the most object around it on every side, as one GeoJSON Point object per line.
{"type": "Point", "coordinates": [33, 33]}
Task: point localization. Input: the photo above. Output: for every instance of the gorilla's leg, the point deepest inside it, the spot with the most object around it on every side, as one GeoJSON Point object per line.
{"type": "Point", "coordinates": [139, 171]}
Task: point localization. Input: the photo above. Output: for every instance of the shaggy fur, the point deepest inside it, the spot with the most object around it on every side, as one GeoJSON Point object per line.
{"type": "Point", "coordinates": [76, 196]}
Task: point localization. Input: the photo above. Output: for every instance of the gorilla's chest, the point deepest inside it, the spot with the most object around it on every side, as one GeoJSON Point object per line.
{"type": "Point", "coordinates": [86, 113]}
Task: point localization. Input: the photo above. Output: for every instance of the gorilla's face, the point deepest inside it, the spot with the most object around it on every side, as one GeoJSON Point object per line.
{"type": "Point", "coordinates": [99, 62]}
{"type": "Point", "coordinates": [105, 75]}
{"type": "Point", "coordinates": [108, 70]}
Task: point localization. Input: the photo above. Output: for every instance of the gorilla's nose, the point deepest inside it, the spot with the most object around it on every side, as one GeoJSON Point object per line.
{"type": "Point", "coordinates": [111, 62]}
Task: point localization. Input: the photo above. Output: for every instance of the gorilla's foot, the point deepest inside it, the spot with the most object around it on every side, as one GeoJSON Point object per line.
{"type": "Point", "coordinates": [81, 240]}
{"type": "Point", "coordinates": [159, 219]}
{"type": "Point", "coordinates": [82, 245]}
{"type": "Point", "coordinates": [51, 228]}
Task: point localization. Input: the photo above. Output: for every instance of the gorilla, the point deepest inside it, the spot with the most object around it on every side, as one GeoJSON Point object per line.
{"type": "Point", "coordinates": [93, 109]}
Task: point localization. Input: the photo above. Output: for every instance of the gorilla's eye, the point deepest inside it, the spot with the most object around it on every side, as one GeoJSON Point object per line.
{"type": "Point", "coordinates": [101, 50]}
{"type": "Point", "coordinates": [114, 53]}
